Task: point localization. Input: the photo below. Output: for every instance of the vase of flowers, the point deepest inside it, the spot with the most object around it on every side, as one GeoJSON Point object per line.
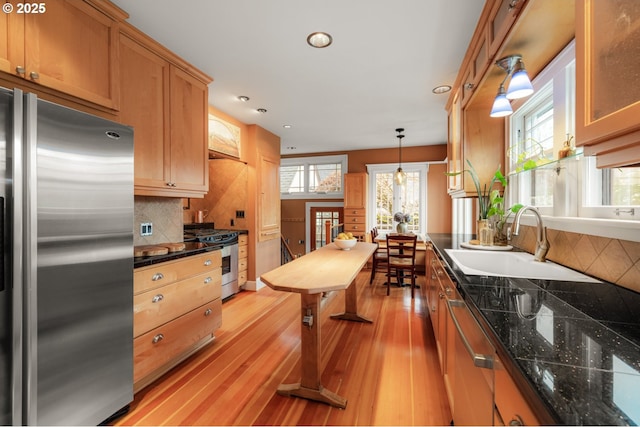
{"type": "Point", "coordinates": [402, 219]}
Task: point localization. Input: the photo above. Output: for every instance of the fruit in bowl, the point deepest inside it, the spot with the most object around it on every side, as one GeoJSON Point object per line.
{"type": "Point", "coordinates": [345, 241]}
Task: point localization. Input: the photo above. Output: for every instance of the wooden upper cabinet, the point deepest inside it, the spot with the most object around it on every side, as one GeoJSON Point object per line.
{"type": "Point", "coordinates": [269, 199]}
{"type": "Point", "coordinates": [355, 190]}
{"type": "Point", "coordinates": [71, 47]}
{"type": "Point", "coordinates": [454, 145]}
{"type": "Point", "coordinates": [607, 91]}
{"type": "Point", "coordinates": [189, 129]}
{"type": "Point", "coordinates": [167, 107]}
{"type": "Point", "coordinates": [144, 104]}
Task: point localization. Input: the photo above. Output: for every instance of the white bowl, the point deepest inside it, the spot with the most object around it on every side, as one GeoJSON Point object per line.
{"type": "Point", "coordinates": [345, 245]}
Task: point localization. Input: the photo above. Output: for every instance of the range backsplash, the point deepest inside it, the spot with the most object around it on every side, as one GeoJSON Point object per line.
{"type": "Point", "coordinates": [614, 260]}
{"type": "Point", "coordinates": [164, 213]}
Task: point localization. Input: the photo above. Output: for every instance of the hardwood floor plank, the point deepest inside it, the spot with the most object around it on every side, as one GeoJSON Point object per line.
{"type": "Point", "coordinates": [388, 370]}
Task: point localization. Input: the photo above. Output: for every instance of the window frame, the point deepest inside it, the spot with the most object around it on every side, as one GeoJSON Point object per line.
{"type": "Point", "coordinates": [306, 162]}
{"type": "Point", "coordinates": [568, 212]}
{"type": "Point", "coordinates": [422, 168]}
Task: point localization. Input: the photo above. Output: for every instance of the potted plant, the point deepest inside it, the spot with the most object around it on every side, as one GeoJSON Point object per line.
{"type": "Point", "coordinates": [490, 205]}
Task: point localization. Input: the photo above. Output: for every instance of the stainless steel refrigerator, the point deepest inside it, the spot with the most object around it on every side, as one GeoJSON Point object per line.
{"type": "Point", "coordinates": [66, 295]}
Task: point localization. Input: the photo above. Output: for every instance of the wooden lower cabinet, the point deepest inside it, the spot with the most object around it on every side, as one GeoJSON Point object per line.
{"type": "Point", "coordinates": [511, 407]}
{"type": "Point", "coordinates": [160, 349]}
{"type": "Point", "coordinates": [243, 261]}
{"type": "Point", "coordinates": [177, 308]}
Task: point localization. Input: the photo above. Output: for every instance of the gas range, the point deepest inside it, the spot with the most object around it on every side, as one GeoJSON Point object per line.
{"type": "Point", "coordinates": [227, 242]}
{"type": "Point", "coordinates": [207, 233]}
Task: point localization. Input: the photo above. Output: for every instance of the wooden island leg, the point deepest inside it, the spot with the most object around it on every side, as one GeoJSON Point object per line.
{"type": "Point", "coordinates": [351, 306]}
{"type": "Point", "coordinates": [309, 386]}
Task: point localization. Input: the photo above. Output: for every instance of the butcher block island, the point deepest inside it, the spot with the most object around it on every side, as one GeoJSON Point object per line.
{"type": "Point", "coordinates": [326, 269]}
{"type": "Point", "coordinates": [177, 308]}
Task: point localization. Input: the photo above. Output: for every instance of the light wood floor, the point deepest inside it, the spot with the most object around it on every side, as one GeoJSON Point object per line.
{"type": "Point", "coordinates": [387, 370]}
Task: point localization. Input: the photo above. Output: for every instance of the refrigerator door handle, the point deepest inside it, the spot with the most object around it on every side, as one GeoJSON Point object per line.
{"type": "Point", "coordinates": [30, 262]}
{"type": "Point", "coordinates": [15, 218]}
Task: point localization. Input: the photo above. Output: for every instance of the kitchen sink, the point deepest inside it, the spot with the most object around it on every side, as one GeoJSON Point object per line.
{"type": "Point", "coordinates": [512, 264]}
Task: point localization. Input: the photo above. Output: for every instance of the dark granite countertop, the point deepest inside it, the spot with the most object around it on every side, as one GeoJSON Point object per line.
{"type": "Point", "coordinates": [576, 346]}
{"type": "Point", "coordinates": [191, 248]}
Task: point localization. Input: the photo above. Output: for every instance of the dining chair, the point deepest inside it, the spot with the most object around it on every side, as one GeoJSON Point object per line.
{"type": "Point", "coordinates": [401, 258]}
{"type": "Point", "coordinates": [379, 257]}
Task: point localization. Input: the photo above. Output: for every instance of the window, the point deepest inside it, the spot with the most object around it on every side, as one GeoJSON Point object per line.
{"type": "Point", "coordinates": [387, 198]}
{"type": "Point", "coordinates": [571, 187]}
{"type": "Point", "coordinates": [312, 177]}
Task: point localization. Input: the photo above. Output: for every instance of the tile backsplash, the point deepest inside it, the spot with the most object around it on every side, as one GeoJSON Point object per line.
{"type": "Point", "coordinates": [166, 216]}
{"type": "Point", "coordinates": [614, 260]}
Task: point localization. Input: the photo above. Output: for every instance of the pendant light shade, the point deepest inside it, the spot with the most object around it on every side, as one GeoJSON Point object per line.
{"type": "Point", "coordinates": [400, 177]}
{"type": "Point", "coordinates": [520, 86]}
{"type": "Point", "coordinates": [501, 105]}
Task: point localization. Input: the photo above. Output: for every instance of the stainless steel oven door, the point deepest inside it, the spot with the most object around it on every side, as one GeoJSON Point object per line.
{"type": "Point", "coordinates": [229, 270]}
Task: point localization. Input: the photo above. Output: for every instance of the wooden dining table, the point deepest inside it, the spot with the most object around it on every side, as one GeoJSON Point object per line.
{"type": "Point", "coordinates": [323, 270]}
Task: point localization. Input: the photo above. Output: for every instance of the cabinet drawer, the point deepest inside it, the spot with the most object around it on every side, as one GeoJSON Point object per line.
{"type": "Point", "coordinates": [242, 264]}
{"type": "Point", "coordinates": [159, 346]}
{"type": "Point", "coordinates": [242, 278]}
{"type": "Point", "coordinates": [167, 272]}
{"type": "Point", "coordinates": [349, 219]}
{"type": "Point", "coordinates": [354, 227]}
{"type": "Point", "coordinates": [243, 239]}
{"type": "Point", "coordinates": [242, 251]}
{"type": "Point", "coordinates": [158, 306]}
{"type": "Point", "coordinates": [354, 212]}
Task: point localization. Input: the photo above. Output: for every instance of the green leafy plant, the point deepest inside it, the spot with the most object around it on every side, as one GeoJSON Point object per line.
{"type": "Point", "coordinates": [488, 197]}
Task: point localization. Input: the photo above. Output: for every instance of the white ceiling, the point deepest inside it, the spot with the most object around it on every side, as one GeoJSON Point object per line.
{"type": "Point", "coordinates": [378, 74]}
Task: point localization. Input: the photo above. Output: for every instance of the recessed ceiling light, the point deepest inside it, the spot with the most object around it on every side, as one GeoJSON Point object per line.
{"type": "Point", "coordinates": [261, 110]}
{"type": "Point", "coordinates": [287, 126]}
{"type": "Point", "coordinates": [319, 39]}
{"type": "Point", "coordinates": [243, 98]}
{"type": "Point", "coordinates": [441, 89]}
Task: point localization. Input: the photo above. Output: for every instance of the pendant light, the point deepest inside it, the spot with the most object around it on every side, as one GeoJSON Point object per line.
{"type": "Point", "coordinates": [400, 177]}
{"type": "Point", "coordinates": [519, 86]}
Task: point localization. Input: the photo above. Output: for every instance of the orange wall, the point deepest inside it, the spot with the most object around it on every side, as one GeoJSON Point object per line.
{"type": "Point", "coordinates": [438, 200]}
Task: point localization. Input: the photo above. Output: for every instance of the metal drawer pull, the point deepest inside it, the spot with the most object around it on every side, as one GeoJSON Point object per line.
{"type": "Point", "coordinates": [34, 75]}
{"type": "Point", "coordinates": [157, 298]}
{"type": "Point", "coordinates": [208, 280]}
{"type": "Point", "coordinates": [157, 338]}
{"type": "Point", "coordinates": [479, 360]}
{"type": "Point", "coordinates": [20, 70]}
{"type": "Point", "coordinates": [157, 276]}
{"type": "Point", "coordinates": [208, 312]}
{"type": "Point", "coordinates": [207, 263]}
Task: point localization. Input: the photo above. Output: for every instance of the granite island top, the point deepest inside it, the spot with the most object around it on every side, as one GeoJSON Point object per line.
{"type": "Point", "coordinates": [576, 345]}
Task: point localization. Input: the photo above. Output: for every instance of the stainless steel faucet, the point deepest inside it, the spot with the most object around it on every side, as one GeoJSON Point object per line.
{"type": "Point", "coordinates": [542, 244]}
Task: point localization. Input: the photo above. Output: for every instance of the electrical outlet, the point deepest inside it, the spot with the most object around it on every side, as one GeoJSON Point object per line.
{"type": "Point", "coordinates": [146, 229]}
{"type": "Point", "coordinates": [301, 242]}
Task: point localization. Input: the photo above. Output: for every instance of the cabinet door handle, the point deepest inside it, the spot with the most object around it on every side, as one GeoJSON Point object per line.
{"type": "Point", "coordinates": [208, 312]}
{"type": "Point", "coordinates": [20, 70]}
{"type": "Point", "coordinates": [208, 280]}
{"type": "Point", "coordinates": [157, 298]}
{"type": "Point", "coordinates": [157, 339]}
{"type": "Point", "coordinates": [479, 360]}
{"type": "Point", "coordinates": [207, 263]}
{"type": "Point", "coordinates": [34, 75]}
{"type": "Point", "coordinates": [516, 421]}
{"type": "Point", "coordinates": [157, 276]}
